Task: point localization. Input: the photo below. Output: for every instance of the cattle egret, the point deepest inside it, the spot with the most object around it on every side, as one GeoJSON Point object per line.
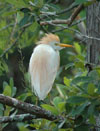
{"type": "Point", "coordinates": [44, 63]}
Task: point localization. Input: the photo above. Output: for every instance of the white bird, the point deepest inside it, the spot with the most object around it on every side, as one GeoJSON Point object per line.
{"type": "Point", "coordinates": [44, 63]}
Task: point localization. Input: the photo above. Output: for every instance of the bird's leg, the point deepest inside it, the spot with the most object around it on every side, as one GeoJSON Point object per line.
{"type": "Point", "coordinates": [37, 101]}
{"type": "Point", "coordinates": [50, 99]}
{"type": "Point", "coordinates": [43, 102]}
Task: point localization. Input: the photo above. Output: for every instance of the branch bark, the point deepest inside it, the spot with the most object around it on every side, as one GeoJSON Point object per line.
{"type": "Point", "coordinates": [55, 22]}
{"type": "Point", "coordinates": [29, 108]}
{"type": "Point", "coordinates": [93, 29]}
{"type": "Point", "coordinates": [75, 13]}
{"type": "Point", "coordinates": [18, 118]}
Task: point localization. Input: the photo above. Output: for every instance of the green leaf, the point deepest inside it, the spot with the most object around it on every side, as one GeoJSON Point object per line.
{"type": "Point", "coordinates": [78, 110]}
{"type": "Point", "coordinates": [24, 20]}
{"type": "Point", "coordinates": [94, 74]}
{"type": "Point", "coordinates": [97, 68]}
{"type": "Point", "coordinates": [6, 89]}
{"type": "Point", "coordinates": [69, 65]}
{"type": "Point", "coordinates": [19, 17]}
{"type": "Point", "coordinates": [25, 10]}
{"type": "Point", "coordinates": [61, 106]}
{"type": "Point", "coordinates": [4, 84]}
{"type": "Point", "coordinates": [82, 128]}
{"type": "Point", "coordinates": [91, 89]}
{"type": "Point", "coordinates": [68, 107]}
{"type": "Point", "coordinates": [11, 82]}
{"type": "Point", "coordinates": [83, 79]}
{"type": "Point", "coordinates": [39, 3]}
{"type": "Point", "coordinates": [67, 81]}
{"type": "Point", "coordinates": [92, 119]}
{"type": "Point", "coordinates": [80, 57]}
{"type": "Point", "coordinates": [87, 3]}
{"type": "Point", "coordinates": [10, 13]}
{"type": "Point", "coordinates": [62, 89]}
{"type": "Point", "coordinates": [7, 111]}
{"type": "Point", "coordinates": [22, 97]}
{"type": "Point", "coordinates": [50, 108]}
{"type": "Point", "coordinates": [1, 109]}
{"type": "Point", "coordinates": [13, 89]}
{"type": "Point", "coordinates": [91, 109]}
{"type": "Point", "coordinates": [79, 65]}
{"type": "Point", "coordinates": [76, 99]}
{"type": "Point", "coordinates": [56, 101]}
{"type": "Point", "coordinates": [17, 3]}
{"type": "Point", "coordinates": [23, 127]}
{"type": "Point", "coordinates": [1, 51]}
{"type": "Point", "coordinates": [80, 1]}
{"type": "Point", "coordinates": [77, 48]}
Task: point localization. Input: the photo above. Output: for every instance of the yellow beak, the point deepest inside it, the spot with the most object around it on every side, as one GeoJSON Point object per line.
{"type": "Point", "coordinates": [65, 45]}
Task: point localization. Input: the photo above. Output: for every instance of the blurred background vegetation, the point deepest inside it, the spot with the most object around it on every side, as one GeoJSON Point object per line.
{"type": "Point", "coordinates": [76, 92]}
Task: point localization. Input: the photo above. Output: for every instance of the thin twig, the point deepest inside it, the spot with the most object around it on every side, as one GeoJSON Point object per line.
{"type": "Point", "coordinates": [76, 31]}
{"type": "Point", "coordinates": [13, 30]}
{"type": "Point", "coordinates": [5, 27]}
{"type": "Point", "coordinates": [11, 44]}
{"type": "Point", "coordinates": [42, 27]}
{"type": "Point", "coordinates": [73, 5]}
{"type": "Point", "coordinates": [14, 43]}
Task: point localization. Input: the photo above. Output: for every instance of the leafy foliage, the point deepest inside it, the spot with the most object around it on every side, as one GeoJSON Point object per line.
{"type": "Point", "coordinates": [76, 92]}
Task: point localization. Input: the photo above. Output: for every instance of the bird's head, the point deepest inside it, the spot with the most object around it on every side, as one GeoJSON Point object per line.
{"type": "Point", "coordinates": [54, 41]}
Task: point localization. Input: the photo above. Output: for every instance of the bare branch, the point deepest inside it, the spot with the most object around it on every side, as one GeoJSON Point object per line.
{"type": "Point", "coordinates": [75, 13]}
{"type": "Point", "coordinates": [11, 44]}
{"type": "Point", "coordinates": [55, 22]}
{"type": "Point", "coordinates": [17, 118]}
{"type": "Point", "coordinates": [14, 43]}
{"type": "Point", "coordinates": [5, 27]}
{"type": "Point", "coordinates": [68, 9]}
{"type": "Point", "coordinates": [29, 108]}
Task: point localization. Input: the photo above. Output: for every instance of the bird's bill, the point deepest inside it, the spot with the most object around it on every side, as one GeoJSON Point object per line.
{"type": "Point", "coordinates": [65, 45]}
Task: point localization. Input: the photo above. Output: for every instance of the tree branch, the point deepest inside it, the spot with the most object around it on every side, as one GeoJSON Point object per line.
{"type": "Point", "coordinates": [55, 22]}
{"type": "Point", "coordinates": [68, 21]}
{"type": "Point", "coordinates": [29, 108]}
{"type": "Point", "coordinates": [17, 118]}
{"type": "Point", "coordinates": [75, 13]}
{"type": "Point", "coordinates": [67, 27]}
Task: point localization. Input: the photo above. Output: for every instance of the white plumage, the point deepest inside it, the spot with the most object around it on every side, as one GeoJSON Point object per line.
{"type": "Point", "coordinates": [43, 67]}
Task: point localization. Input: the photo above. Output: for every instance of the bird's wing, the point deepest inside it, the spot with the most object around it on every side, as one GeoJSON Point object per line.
{"type": "Point", "coordinates": [43, 67]}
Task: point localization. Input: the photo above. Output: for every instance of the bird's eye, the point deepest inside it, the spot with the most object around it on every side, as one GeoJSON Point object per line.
{"type": "Point", "coordinates": [56, 44]}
